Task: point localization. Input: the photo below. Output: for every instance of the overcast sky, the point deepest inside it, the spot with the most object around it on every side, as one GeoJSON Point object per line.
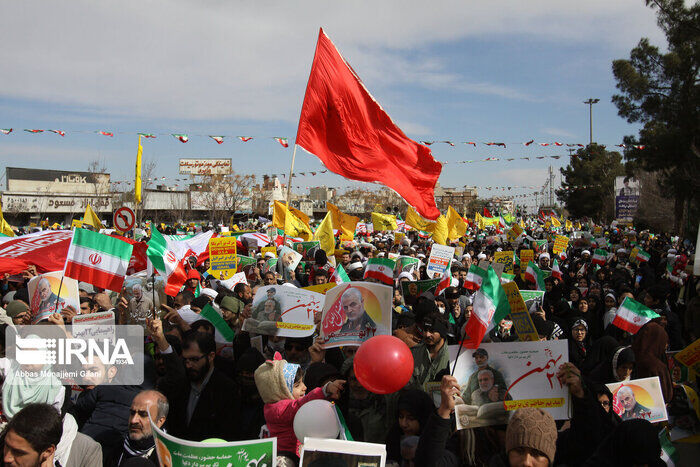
{"type": "Point", "coordinates": [507, 71]}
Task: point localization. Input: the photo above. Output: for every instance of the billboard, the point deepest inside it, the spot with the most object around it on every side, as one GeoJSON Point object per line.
{"type": "Point", "coordinates": [626, 198]}
{"type": "Point", "coordinates": [56, 181]}
{"type": "Point", "coordinates": [205, 166]}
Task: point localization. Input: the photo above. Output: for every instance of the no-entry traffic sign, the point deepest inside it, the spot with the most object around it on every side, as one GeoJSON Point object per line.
{"type": "Point", "coordinates": [123, 219]}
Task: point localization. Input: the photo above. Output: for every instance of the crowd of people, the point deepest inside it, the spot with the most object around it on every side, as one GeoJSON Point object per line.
{"type": "Point", "coordinates": [195, 390]}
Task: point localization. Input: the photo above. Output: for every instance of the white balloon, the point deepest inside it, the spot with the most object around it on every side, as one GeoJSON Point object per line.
{"type": "Point", "coordinates": [316, 419]}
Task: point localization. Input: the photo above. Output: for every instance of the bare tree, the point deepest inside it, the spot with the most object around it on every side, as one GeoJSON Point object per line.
{"type": "Point", "coordinates": [223, 195]}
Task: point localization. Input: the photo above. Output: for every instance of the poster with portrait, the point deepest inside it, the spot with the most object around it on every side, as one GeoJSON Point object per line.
{"type": "Point", "coordinates": [354, 312]}
{"type": "Point", "coordinates": [639, 398]}
{"type": "Point", "coordinates": [307, 250]}
{"type": "Point", "coordinates": [533, 299]}
{"type": "Point", "coordinates": [498, 378]}
{"type": "Point", "coordinates": [627, 191]}
{"type": "Point", "coordinates": [139, 284]}
{"type": "Point", "coordinates": [411, 290]}
{"type": "Point", "coordinates": [317, 452]}
{"type": "Point", "coordinates": [284, 311]}
{"type": "Point", "coordinates": [290, 258]}
{"type": "Point", "coordinates": [406, 264]}
{"type": "Point", "coordinates": [45, 298]}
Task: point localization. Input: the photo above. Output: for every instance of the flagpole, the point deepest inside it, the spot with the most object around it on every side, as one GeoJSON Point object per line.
{"type": "Point", "coordinates": [291, 173]}
{"type": "Point", "coordinates": [58, 295]}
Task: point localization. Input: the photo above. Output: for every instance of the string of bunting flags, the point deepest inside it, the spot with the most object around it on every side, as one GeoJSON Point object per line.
{"type": "Point", "coordinates": [284, 142]}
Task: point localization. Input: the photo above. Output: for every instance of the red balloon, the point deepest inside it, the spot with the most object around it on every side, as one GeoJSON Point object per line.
{"type": "Point", "coordinates": [383, 364]}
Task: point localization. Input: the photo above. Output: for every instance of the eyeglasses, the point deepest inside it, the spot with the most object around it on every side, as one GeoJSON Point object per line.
{"type": "Point", "coordinates": [187, 360]}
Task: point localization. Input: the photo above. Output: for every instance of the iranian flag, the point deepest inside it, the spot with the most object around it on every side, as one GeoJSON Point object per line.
{"type": "Point", "coordinates": [166, 263]}
{"type": "Point", "coordinates": [632, 315]}
{"type": "Point", "coordinates": [218, 139]}
{"type": "Point", "coordinates": [339, 276]}
{"type": "Point", "coordinates": [444, 283]}
{"type": "Point", "coordinates": [490, 307]}
{"type": "Point", "coordinates": [556, 271]}
{"type": "Point", "coordinates": [147, 135]}
{"type": "Point", "coordinates": [282, 141]}
{"type": "Point", "coordinates": [33, 131]}
{"type": "Point", "coordinates": [5, 131]}
{"type": "Point", "coordinates": [58, 132]}
{"type": "Point", "coordinates": [475, 277]}
{"type": "Point", "coordinates": [534, 274]}
{"type": "Point", "coordinates": [222, 332]}
{"type": "Point", "coordinates": [643, 256]}
{"type": "Point", "coordinates": [106, 133]}
{"type": "Point", "coordinates": [97, 259]}
{"type": "Point", "coordinates": [599, 256]}
{"type": "Point", "coordinates": [501, 221]}
{"type": "Point", "coordinates": [381, 269]}
{"type": "Point", "coordinates": [245, 139]}
{"type": "Point", "coordinates": [181, 137]}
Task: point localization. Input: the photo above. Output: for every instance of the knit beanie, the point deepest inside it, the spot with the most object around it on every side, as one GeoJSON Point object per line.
{"type": "Point", "coordinates": [532, 428]}
{"type": "Point", "coordinates": [16, 307]}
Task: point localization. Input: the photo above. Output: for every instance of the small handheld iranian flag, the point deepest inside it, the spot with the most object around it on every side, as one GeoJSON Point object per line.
{"type": "Point", "coordinates": [339, 275]}
{"type": "Point", "coordinates": [218, 139]}
{"type": "Point", "coordinates": [97, 259]}
{"type": "Point", "coordinates": [166, 263]}
{"type": "Point", "coordinates": [534, 274]}
{"type": "Point", "coordinates": [475, 276]}
{"type": "Point", "coordinates": [599, 256]}
{"type": "Point", "coordinates": [444, 283]}
{"type": "Point", "coordinates": [632, 315]}
{"type": "Point", "coordinates": [381, 269]}
{"type": "Point", "coordinates": [643, 256]}
{"type": "Point", "coordinates": [556, 271]}
{"type": "Point", "coordinates": [183, 138]}
{"type": "Point", "coordinates": [282, 141]}
{"type": "Point", "coordinates": [490, 306]}
{"type": "Point", "coordinates": [223, 333]}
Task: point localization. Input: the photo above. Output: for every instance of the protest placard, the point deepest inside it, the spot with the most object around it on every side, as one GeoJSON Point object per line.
{"type": "Point", "coordinates": [268, 249]}
{"type": "Point", "coordinates": [405, 264]}
{"type": "Point", "coordinates": [522, 322]}
{"type": "Point", "coordinates": [235, 279]}
{"type": "Point", "coordinates": [561, 243]}
{"type": "Point", "coordinates": [177, 452]}
{"type": "Point", "coordinates": [439, 260]}
{"type": "Point", "coordinates": [514, 232]}
{"type": "Point", "coordinates": [307, 250]}
{"type": "Point", "coordinates": [526, 256]}
{"type": "Point", "coordinates": [533, 299]}
{"type": "Point", "coordinates": [322, 452]}
{"type": "Point", "coordinates": [411, 290]}
{"type": "Point", "coordinates": [244, 261]}
{"type": "Point", "coordinates": [690, 356]}
{"type": "Point", "coordinates": [639, 398]}
{"type": "Point", "coordinates": [290, 258]}
{"type": "Point", "coordinates": [398, 236]}
{"type": "Point", "coordinates": [222, 257]}
{"type": "Point", "coordinates": [355, 311]}
{"type": "Point", "coordinates": [498, 378]}
{"type": "Point", "coordinates": [284, 311]}
{"type": "Point", "coordinates": [506, 259]}
{"type": "Point", "coordinates": [94, 326]}
{"type": "Point", "coordinates": [45, 298]}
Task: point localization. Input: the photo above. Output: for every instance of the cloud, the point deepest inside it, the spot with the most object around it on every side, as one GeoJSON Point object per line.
{"type": "Point", "coordinates": [200, 60]}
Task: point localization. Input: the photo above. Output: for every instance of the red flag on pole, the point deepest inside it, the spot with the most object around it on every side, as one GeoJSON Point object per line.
{"type": "Point", "coordinates": [347, 129]}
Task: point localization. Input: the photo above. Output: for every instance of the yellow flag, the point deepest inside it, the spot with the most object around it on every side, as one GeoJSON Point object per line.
{"type": "Point", "coordinates": [91, 218]}
{"type": "Point", "coordinates": [295, 227]}
{"type": "Point", "coordinates": [76, 224]}
{"type": "Point", "coordinates": [278, 212]}
{"type": "Point", "coordinates": [324, 234]}
{"type": "Point", "coordinates": [479, 220]}
{"type": "Point", "coordinates": [555, 222]}
{"type": "Point", "coordinates": [301, 216]}
{"type": "Point", "coordinates": [137, 178]}
{"type": "Point", "coordinates": [383, 221]}
{"type": "Point", "coordinates": [456, 225]}
{"type": "Point", "coordinates": [569, 225]}
{"type": "Point", "coordinates": [522, 223]}
{"type": "Point", "coordinates": [343, 222]}
{"type": "Point", "coordinates": [440, 230]}
{"type": "Point", "coordinates": [416, 221]}
{"type": "Point", "coordinates": [5, 228]}
{"type": "Point", "coordinates": [578, 225]}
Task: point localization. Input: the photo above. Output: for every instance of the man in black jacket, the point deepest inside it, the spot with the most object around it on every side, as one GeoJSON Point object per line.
{"type": "Point", "coordinates": [202, 399]}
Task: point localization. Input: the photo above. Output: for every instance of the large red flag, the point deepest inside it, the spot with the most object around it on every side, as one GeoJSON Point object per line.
{"type": "Point", "coordinates": [347, 129]}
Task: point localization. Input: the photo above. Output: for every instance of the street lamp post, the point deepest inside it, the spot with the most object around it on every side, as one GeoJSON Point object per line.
{"type": "Point", "coordinates": [590, 103]}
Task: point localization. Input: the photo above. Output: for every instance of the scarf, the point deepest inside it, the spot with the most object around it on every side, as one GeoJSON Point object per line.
{"type": "Point", "coordinates": [141, 448]}
{"type": "Point", "coordinates": [20, 390]}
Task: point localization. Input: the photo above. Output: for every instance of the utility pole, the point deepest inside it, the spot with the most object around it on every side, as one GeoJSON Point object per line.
{"type": "Point", "coordinates": [551, 186]}
{"type": "Point", "coordinates": [590, 103]}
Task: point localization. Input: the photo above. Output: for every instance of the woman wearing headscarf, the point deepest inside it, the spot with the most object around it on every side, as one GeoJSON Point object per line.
{"type": "Point", "coordinates": [578, 342]}
{"type": "Point", "coordinates": [414, 408]}
{"type": "Point", "coordinates": [617, 366]}
{"type": "Point", "coordinates": [649, 346]}
{"type": "Point", "coordinates": [610, 302]}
